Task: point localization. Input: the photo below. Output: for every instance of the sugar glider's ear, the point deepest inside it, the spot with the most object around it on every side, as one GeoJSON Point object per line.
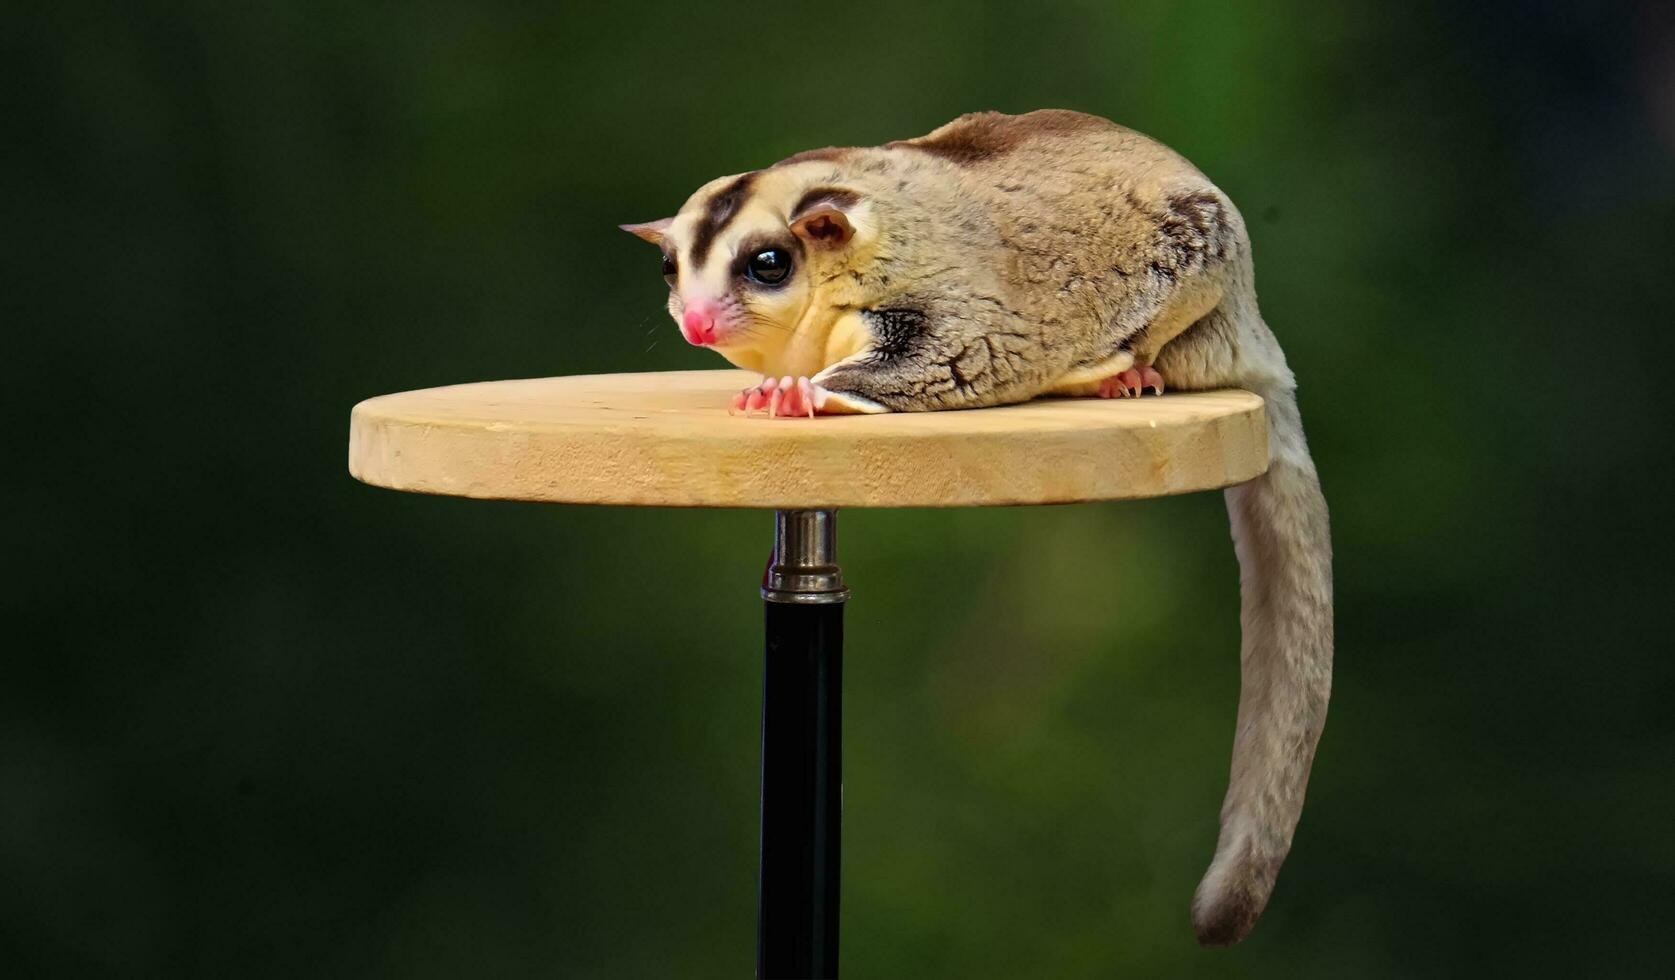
{"type": "Point", "coordinates": [651, 231]}
{"type": "Point", "coordinates": [822, 216]}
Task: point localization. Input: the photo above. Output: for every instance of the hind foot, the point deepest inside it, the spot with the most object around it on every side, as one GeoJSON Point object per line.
{"type": "Point", "coordinates": [1131, 383]}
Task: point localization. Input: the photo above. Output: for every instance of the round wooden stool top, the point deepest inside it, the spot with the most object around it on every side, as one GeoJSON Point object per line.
{"type": "Point", "coordinates": [666, 440]}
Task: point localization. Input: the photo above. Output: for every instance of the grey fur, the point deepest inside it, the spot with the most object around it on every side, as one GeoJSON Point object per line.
{"type": "Point", "coordinates": [1015, 256]}
{"type": "Point", "coordinates": [1065, 249]}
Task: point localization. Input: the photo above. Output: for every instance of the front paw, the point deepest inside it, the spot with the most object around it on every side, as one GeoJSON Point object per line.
{"type": "Point", "coordinates": [786, 398]}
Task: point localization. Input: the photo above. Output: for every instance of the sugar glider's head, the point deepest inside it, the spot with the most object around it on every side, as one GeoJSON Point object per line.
{"type": "Point", "coordinates": [748, 257]}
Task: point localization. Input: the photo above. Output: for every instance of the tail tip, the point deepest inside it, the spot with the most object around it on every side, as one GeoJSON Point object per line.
{"type": "Point", "coordinates": [1223, 923]}
{"type": "Point", "coordinates": [1226, 908]}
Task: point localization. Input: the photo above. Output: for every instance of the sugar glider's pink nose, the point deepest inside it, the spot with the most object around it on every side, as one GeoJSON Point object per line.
{"type": "Point", "coordinates": [697, 324]}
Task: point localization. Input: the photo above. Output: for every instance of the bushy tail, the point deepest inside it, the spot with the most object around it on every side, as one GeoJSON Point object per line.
{"type": "Point", "coordinates": [1281, 535]}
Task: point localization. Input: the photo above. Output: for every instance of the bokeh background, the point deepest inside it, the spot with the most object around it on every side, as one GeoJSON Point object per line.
{"type": "Point", "coordinates": [259, 720]}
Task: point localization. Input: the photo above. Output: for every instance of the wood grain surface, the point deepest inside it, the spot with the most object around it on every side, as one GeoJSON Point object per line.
{"type": "Point", "coordinates": [666, 439]}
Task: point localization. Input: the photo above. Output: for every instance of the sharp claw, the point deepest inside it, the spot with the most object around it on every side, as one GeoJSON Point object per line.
{"type": "Point", "coordinates": [1131, 383]}
{"type": "Point", "coordinates": [806, 389]}
{"type": "Point", "coordinates": [773, 404]}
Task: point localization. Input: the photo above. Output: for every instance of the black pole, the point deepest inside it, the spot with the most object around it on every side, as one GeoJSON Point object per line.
{"type": "Point", "coordinates": [802, 751]}
{"type": "Point", "coordinates": [802, 792]}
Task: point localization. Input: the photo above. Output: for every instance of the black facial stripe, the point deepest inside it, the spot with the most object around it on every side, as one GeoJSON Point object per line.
{"type": "Point", "coordinates": [720, 210]}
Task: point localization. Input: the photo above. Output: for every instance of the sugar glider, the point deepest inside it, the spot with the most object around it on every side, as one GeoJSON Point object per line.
{"type": "Point", "coordinates": [1001, 258]}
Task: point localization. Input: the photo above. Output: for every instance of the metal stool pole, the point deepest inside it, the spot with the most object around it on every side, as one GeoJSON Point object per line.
{"type": "Point", "coordinates": [802, 750]}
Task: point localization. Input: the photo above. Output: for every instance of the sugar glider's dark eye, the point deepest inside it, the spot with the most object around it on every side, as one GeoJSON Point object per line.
{"type": "Point", "coordinates": [669, 270]}
{"type": "Point", "coordinates": [769, 266]}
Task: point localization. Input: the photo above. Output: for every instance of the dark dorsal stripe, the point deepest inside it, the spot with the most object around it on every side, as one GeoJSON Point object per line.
{"type": "Point", "coordinates": [979, 136]}
{"type": "Point", "coordinates": [720, 210]}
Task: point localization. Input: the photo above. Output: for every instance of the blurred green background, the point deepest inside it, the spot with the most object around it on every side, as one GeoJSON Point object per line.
{"type": "Point", "coordinates": [259, 720]}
